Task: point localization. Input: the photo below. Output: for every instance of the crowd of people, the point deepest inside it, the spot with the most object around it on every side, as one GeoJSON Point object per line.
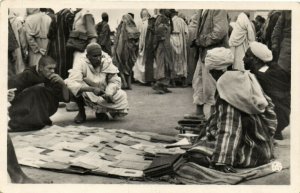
{"type": "Point", "coordinates": [238, 67]}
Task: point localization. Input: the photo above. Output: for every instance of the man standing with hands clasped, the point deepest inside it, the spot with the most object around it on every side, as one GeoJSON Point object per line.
{"type": "Point", "coordinates": [212, 32]}
{"type": "Point", "coordinates": [94, 82]}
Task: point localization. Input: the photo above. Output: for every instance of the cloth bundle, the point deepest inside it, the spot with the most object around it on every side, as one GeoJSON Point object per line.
{"type": "Point", "coordinates": [242, 90]}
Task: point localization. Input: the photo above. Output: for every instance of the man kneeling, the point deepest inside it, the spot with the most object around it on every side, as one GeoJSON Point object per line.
{"type": "Point", "coordinates": [240, 132]}
{"type": "Point", "coordinates": [37, 92]}
{"type": "Point", "coordinates": [94, 81]}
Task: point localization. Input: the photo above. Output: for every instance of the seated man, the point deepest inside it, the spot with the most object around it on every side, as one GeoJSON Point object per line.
{"type": "Point", "coordinates": [275, 82]}
{"type": "Point", "coordinates": [38, 91]}
{"type": "Point", "coordinates": [240, 130]}
{"type": "Point", "coordinates": [94, 81]}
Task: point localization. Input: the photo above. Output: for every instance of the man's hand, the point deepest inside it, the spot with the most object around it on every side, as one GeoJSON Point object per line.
{"type": "Point", "coordinates": [55, 78]}
{"type": "Point", "coordinates": [25, 55]}
{"type": "Point", "coordinates": [98, 91]}
{"type": "Point", "coordinates": [11, 94]}
{"type": "Point", "coordinates": [42, 51]}
{"type": "Point", "coordinates": [108, 98]}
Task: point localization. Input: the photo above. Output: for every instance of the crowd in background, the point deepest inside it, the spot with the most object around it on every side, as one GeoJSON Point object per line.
{"type": "Point", "coordinates": [239, 67]}
{"type": "Point", "coordinates": [44, 32]}
{"type": "Point", "coordinates": [163, 50]}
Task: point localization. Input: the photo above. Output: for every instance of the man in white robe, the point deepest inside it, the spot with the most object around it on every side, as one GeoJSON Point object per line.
{"type": "Point", "coordinates": [178, 41]}
{"type": "Point", "coordinates": [94, 82]}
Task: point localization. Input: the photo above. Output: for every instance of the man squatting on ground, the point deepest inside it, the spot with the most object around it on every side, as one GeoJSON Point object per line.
{"type": "Point", "coordinates": [94, 82]}
{"type": "Point", "coordinates": [38, 91]}
{"type": "Point", "coordinates": [34, 95]}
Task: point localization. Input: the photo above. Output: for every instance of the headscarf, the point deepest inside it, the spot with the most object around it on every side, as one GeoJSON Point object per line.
{"type": "Point", "coordinates": [147, 17]}
{"type": "Point", "coordinates": [131, 14]}
{"type": "Point", "coordinates": [218, 58]}
{"type": "Point", "coordinates": [104, 16]}
{"type": "Point", "coordinates": [182, 16]}
{"type": "Point", "coordinates": [130, 26]}
{"type": "Point", "coordinates": [242, 90]}
{"type": "Point", "coordinates": [261, 51]}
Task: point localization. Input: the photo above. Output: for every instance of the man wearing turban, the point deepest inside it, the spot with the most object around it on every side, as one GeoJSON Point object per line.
{"type": "Point", "coordinates": [94, 82]}
{"type": "Point", "coordinates": [240, 131]}
{"type": "Point", "coordinates": [274, 80]}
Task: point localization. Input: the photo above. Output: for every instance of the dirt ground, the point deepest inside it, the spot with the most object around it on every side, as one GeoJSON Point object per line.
{"type": "Point", "coordinates": [155, 113]}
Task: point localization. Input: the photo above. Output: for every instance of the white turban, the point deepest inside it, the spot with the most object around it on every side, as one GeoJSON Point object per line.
{"type": "Point", "coordinates": [218, 58]}
{"type": "Point", "coordinates": [261, 51]}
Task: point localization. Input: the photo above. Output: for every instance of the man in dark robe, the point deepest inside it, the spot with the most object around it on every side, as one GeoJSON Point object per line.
{"type": "Point", "coordinates": [103, 32]}
{"type": "Point", "coordinates": [12, 46]}
{"type": "Point", "coordinates": [163, 52]}
{"type": "Point", "coordinates": [38, 91]}
{"type": "Point", "coordinates": [259, 26]}
{"type": "Point", "coordinates": [149, 51]}
{"type": "Point", "coordinates": [281, 40]}
{"type": "Point", "coordinates": [273, 17]}
{"type": "Point", "coordinates": [275, 82]}
{"type": "Point", "coordinates": [64, 57]}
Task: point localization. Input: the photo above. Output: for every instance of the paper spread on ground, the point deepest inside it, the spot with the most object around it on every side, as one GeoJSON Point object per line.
{"type": "Point", "coordinates": [182, 142]}
{"type": "Point", "coordinates": [101, 151]}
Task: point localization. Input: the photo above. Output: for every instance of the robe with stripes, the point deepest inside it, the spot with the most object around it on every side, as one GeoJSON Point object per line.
{"type": "Point", "coordinates": [240, 139]}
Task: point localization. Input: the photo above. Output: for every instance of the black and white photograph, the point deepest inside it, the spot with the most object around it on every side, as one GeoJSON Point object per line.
{"type": "Point", "coordinates": [167, 95]}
